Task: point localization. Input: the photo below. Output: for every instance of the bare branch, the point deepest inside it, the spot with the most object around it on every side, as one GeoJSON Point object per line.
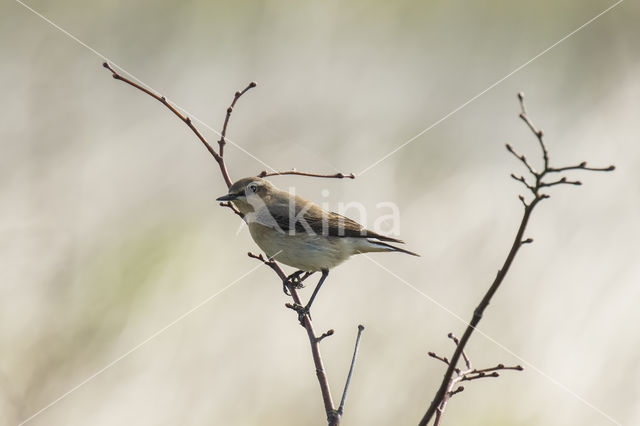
{"type": "Point", "coordinates": [479, 376]}
{"type": "Point", "coordinates": [498, 368]}
{"type": "Point", "coordinates": [333, 415]}
{"type": "Point", "coordinates": [560, 181]}
{"type": "Point", "coordinates": [539, 133]}
{"type": "Point", "coordinates": [218, 157]}
{"type": "Point", "coordinates": [524, 203]}
{"type": "Point", "coordinates": [464, 355]}
{"type": "Point", "coordinates": [524, 182]}
{"type": "Point", "coordinates": [444, 392]}
{"type": "Point", "coordinates": [581, 166]}
{"type": "Point", "coordinates": [353, 363]}
{"type": "Point", "coordinates": [236, 96]}
{"type": "Point", "coordinates": [438, 357]}
{"type": "Point", "coordinates": [469, 374]}
{"type": "Point", "coordinates": [458, 390]}
{"type": "Point", "coordinates": [522, 158]}
{"type": "Point", "coordinates": [264, 173]}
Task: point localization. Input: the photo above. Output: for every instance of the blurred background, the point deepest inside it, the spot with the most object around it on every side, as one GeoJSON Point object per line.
{"type": "Point", "coordinates": [109, 229]}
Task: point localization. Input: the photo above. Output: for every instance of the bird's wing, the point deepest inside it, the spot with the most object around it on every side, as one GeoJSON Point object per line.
{"type": "Point", "coordinates": [312, 219]}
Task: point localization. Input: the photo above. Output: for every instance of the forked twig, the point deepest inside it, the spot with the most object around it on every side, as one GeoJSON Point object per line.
{"type": "Point", "coordinates": [333, 415]}
{"type": "Point", "coordinates": [217, 156]}
{"type": "Point", "coordinates": [468, 374]}
{"type": "Point", "coordinates": [222, 141]}
{"type": "Point", "coordinates": [444, 391]}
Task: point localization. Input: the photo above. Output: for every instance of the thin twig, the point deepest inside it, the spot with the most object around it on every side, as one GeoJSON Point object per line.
{"type": "Point", "coordinates": [232, 207]}
{"type": "Point", "coordinates": [458, 390]}
{"type": "Point", "coordinates": [438, 357]}
{"type": "Point", "coordinates": [521, 158]}
{"type": "Point", "coordinates": [464, 355]}
{"type": "Point", "coordinates": [539, 133]}
{"type": "Point", "coordinates": [444, 391]}
{"type": "Point", "coordinates": [523, 180]}
{"type": "Point", "coordinates": [581, 166]}
{"type": "Point", "coordinates": [561, 181]}
{"type": "Point", "coordinates": [222, 141]}
{"type": "Point", "coordinates": [469, 374]}
{"type": "Point", "coordinates": [333, 417]}
{"type": "Point", "coordinates": [325, 334]}
{"type": "Point", "coordinates": [264, 173]}
{"type": "Point", "coordinates": [217, 156]}
{"type": "Point", "coordinates": [353, 363]}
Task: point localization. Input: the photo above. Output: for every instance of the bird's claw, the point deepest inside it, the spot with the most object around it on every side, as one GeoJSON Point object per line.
{"type": "Point", "coordinates": [294, 281]}
{"type": "Point", "coordinates": [302, 312]}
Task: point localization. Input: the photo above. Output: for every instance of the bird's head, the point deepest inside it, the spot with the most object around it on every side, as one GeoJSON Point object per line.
{"type": "Point", "coordinates": [249, 194]}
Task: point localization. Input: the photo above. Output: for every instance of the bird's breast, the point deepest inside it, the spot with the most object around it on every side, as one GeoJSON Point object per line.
{"type": "Point", "coordinates": [301, 250]}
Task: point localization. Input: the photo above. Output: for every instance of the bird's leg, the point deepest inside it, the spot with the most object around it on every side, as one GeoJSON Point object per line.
{"type": "Point", "coordinates": [303, 311]}
{"type": "Point", "coordinates": [325, 273]}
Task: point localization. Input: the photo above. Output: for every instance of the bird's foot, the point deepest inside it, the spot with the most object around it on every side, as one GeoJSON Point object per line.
{"type": "Point", "coordinates": [301, 310]}
{"type": "Point", "coordinates": [294, 280]}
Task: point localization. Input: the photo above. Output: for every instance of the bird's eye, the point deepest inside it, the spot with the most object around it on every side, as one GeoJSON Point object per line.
{"type": "Point", "coordinates": [253, 187]}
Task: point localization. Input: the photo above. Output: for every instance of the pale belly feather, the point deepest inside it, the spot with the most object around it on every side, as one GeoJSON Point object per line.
{"type": "Point", "coordinates": [302, 251]}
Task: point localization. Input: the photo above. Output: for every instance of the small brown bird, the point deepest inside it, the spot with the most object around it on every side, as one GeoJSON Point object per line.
{"type": "Point", "coordinates": [299, 233]}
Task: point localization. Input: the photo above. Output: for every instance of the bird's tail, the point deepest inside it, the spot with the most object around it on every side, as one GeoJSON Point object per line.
{"type": "Point", "coordinates": [373, 245]}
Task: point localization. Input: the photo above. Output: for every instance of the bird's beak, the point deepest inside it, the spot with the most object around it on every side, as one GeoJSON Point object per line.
{"type": "Point", "coordinates": [228, 197]}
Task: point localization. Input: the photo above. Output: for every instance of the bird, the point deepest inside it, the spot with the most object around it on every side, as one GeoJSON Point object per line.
{"type": "Point", "coordinates": [299, 233]}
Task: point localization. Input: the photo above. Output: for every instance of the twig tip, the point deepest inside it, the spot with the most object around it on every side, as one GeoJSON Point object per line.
{"type": "Point", "coordinates": [324, 335]}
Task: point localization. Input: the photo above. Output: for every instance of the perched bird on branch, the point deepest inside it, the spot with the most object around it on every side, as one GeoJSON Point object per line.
{"type": "Point", "coordinates": [298, 232]}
